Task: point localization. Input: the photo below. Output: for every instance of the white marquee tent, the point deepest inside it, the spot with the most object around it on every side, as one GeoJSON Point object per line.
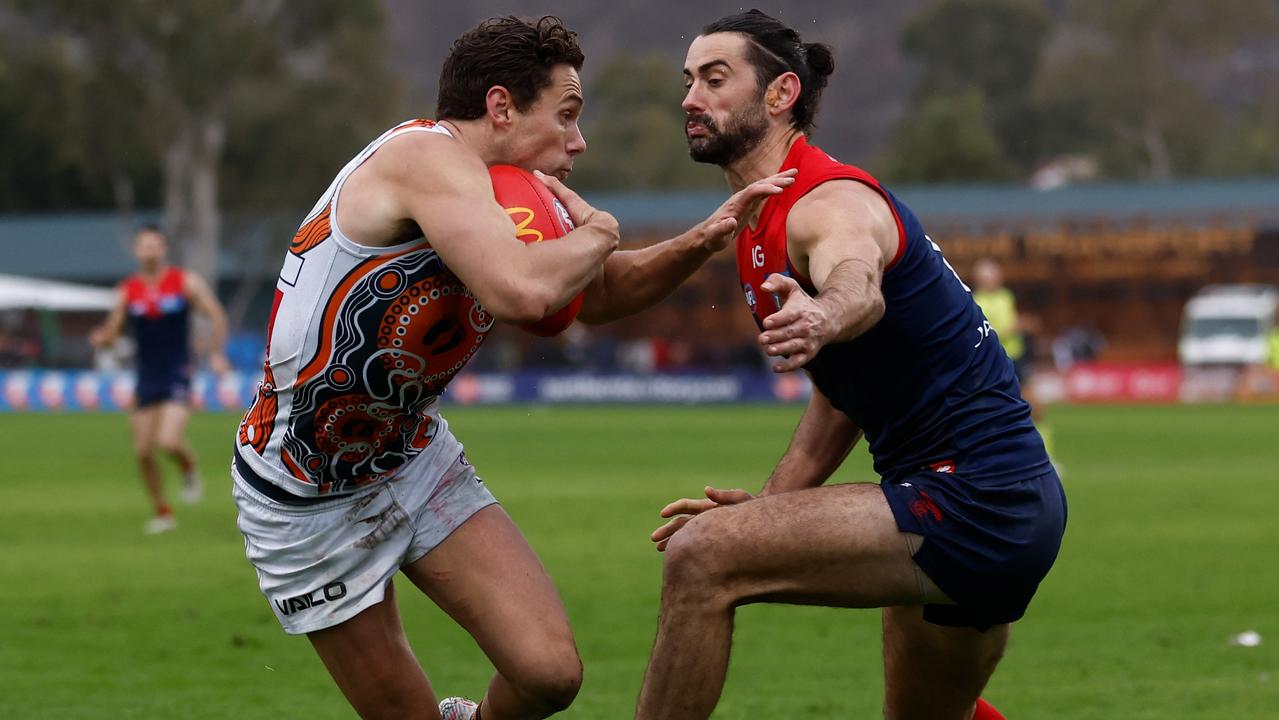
{"type": "Point", "coordinates": [18, 292]}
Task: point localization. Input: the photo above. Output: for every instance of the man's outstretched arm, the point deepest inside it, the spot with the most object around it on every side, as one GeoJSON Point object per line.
{"type": "Point", "coordinates": [634, 280]}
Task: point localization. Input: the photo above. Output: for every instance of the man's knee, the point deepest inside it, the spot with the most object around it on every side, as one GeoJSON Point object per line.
{"type": "Point", "coordinates": [551, 681]}
{"type": "Point", "coordinates": [698, 563]}
{"type": "Point", "coordinates": [145, 453]}
{"type": "Point", "coordinates": [170, 444]}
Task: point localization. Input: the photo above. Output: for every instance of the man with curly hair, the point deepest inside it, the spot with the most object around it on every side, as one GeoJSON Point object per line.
{"type": "Point", "coordinates": [345, 473]}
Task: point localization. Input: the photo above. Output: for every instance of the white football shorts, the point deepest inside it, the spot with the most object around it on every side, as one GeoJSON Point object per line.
{"type": "Point", "coordinates": [322, 564]}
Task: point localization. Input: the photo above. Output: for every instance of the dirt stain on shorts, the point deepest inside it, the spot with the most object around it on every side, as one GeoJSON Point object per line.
{"type": "Point", "coordinates": [358, 506]}
{"type": "Point", "coordinates": [384, 524]}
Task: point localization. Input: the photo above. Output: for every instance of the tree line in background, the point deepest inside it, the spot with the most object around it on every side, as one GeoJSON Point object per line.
{"type": "Point", "coordinates": [191, 107]}
{"type": "Point", "coordinates": [222, 104]}
{"type": "Point", "coordinates": [1148, 89]}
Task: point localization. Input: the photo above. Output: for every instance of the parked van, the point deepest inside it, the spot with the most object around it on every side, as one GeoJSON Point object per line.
{"type": "Point", "coordinates": [1228, 325]}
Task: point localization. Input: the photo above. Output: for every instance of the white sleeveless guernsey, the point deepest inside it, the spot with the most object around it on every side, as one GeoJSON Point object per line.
{"type": "Point", "coordinates": [360, 345]}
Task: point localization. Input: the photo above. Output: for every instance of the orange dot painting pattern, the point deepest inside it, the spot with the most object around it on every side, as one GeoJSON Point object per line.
{"type": "Point", "coordinates": [396, 331]}
{"type": "Point", "coordinates": [354, 427]}
{"type": "Point", "coordinates": [356, 360]}
{"type": "Point", "coordinates": [425, 334]}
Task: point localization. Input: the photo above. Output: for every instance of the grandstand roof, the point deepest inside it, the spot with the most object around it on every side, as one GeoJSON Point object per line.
{"type": "Point", "coordinates": [992, 204]}
{"type": "Point", "coordinates": [76, 246]}
{"type": "Point", "coordinates": [94, 246]}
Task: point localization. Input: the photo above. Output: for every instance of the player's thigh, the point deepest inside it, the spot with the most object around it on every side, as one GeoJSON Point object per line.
{"type": "Point", "coordinates": [837, 545]}
{"type": "Point", "coordinates": [325, 570]}
{"type": "Point", "coordinates": [143, 421]}
{"type": "Point", "coordinates": [488, 579]}
{"type": "Point", "coordinates": [371, 661]}
{"type": "Point", "coordinates": [171, 424]}
{"type": "Point", "coordinates": [932, 671]}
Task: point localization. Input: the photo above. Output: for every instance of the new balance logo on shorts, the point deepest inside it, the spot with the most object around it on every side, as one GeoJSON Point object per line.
{"type": "Point", "coordinates": [332, 591]}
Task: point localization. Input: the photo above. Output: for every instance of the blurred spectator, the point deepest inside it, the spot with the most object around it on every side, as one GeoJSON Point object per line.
{"type": "Point", "coordinates": [1261, 381]}
{"type": "Point", "coordinates": [1274, 349]}
{"type": "Point", "coordinates": [590, 351]}
{"type": "Point", "coordinates": [1015, 334]}
{"type": "Point", "coordinates": [17, 348]}
{"type": "Point", "coordinates": [1077, 344]}
{"type": "Point", "coordinates": [116, 357]}
{"type": "Point", "coordinates": [499, 354]}
{"type": "Point", "coordinates": [679, 357]}
{"type": "Point", "coordinates": [601, 354]}
{"type": "Point", "coordinates": [638, 356]}
{"type": "Point", "coordinates": [577, 345]}
{"type": "Point", "coordinates": [545, 353]}
{"type": "Point", "coordinates": [1000, 308]}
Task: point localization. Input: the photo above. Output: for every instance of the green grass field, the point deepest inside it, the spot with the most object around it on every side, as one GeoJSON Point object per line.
{"type": "Point", "coordinates": [1170, 550]}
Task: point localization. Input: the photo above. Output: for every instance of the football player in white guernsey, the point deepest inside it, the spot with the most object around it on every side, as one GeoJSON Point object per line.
{"type": "Point", "coordinates": [345, 474]}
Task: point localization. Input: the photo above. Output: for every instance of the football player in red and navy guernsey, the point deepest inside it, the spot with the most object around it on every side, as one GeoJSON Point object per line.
{"type": "Point", "coordinates": [156, 302]}
{"type": "Point", "coordinates": [844, 284]}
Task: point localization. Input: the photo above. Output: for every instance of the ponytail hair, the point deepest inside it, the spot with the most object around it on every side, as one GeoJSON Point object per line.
{"type": "Point", "coordinates": [776, 49]}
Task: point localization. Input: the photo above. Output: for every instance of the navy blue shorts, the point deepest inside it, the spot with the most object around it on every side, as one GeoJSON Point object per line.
{"type": "Point", "coordinates": [987, 543]}
{"type": "Point", "coordinates": [155, 389]}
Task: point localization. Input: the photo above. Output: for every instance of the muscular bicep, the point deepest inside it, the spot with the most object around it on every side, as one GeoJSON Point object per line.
{"type": "Point", "coordinates": [446, 191]}
{"type": "Point", "coordinates": [839, 222]}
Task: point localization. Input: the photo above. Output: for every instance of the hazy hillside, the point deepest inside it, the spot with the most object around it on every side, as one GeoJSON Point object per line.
{"type": "Point", "coordinates": [863, 102]}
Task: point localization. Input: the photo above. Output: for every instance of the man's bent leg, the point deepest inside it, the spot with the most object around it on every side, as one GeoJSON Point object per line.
{"type": "Point", "coordinates": [144, 422]}
{"type": "Point", "coordinates": [371, 661]}
{"type": "Point", "coordinates": [934, 672]}
{"type": "Point", "coordinates": [171, 433]}
{"type": "Point", "coordinates": [487, 578]}
{"type": "Point", "coordinates": [837, 546]}
{"type": "Point", "coordinates": [172, 439]}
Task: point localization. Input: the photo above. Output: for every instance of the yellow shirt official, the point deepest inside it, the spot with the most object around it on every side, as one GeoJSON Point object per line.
{"type": "Point", "coordinates": [1000, 309]}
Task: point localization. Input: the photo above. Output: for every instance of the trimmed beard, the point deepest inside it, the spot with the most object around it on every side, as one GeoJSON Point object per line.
{"type": "Point", "coordinates": [743, 131]}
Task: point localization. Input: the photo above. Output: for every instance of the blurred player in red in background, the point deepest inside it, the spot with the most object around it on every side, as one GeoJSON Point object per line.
{"type": "Point", "coordinates": [843, 283]}
{"type": "Point", "coordinates": [157, 302]}
{"type": "Point", "coordinates": [345, 473]}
